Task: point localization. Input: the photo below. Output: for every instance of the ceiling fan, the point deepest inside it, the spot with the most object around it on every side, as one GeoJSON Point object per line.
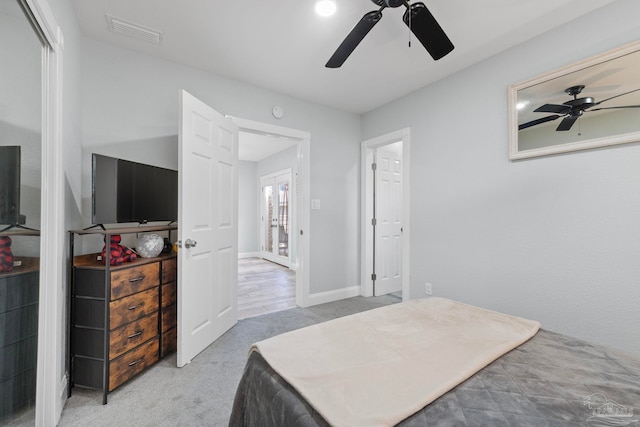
{"type": "Point", "coordinates": [417, 17]}
{"type": "Point", "coordinates": [572, 109]}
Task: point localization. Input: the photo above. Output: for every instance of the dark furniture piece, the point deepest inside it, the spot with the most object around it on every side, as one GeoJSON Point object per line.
{"type": "Point", "coordinates": [122, 318]}
{"type": "Point", "coordinates": [551, 380]}
{"type": "Point", "coordinates": [19, 335]}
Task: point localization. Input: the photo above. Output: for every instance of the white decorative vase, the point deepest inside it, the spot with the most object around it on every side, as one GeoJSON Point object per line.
{"type": "Point", "coordinates": [149, 245]}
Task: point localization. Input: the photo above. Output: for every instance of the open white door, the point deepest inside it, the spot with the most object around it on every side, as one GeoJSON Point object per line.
{"type": "Point", "coordinates": [207, 227]}
{"type": "Point", "coordinates": [388, 215]}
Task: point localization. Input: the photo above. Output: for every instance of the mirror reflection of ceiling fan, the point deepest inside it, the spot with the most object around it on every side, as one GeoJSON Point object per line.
{"type": "Point", "coordinates": [572, 109]}
{"type": "Point", "coordinates": [417, 17]}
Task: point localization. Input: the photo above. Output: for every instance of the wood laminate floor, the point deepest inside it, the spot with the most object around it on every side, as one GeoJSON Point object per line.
{"type": "Point", "coordinates": [264, 287]}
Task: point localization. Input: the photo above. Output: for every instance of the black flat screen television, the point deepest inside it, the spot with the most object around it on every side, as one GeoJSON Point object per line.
{"type": "Point", "coordinates": [10, 184]}
{"type": "Point", "coordinates": [126, 191]}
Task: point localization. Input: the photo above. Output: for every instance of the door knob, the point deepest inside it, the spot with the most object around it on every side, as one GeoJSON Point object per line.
{"type": "Point", "coordinates": [190, 243]}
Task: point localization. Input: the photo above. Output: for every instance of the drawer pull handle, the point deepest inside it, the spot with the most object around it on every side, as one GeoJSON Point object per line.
{"type": "Point", "coordinates": [136, 362]}
{"type": "Point", "coordinates": [133, 307]}
{"type": "Point", "coordinates": [137, 334]}
{"type": "Point", "coordinates": [136, 279]}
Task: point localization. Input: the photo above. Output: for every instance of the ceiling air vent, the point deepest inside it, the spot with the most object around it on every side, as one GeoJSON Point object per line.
{"type": "Point", "coordinates": [134, 30]}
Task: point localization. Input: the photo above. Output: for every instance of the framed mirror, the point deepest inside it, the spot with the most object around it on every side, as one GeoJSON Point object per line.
{"type": "Point", "coordinates": [589, 104]}
{"type": "Point", "coordinates": [20, 211]}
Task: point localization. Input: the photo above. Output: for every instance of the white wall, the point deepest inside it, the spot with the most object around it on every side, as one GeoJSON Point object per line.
{"type": "Point", "coordinates": [555, 239]}
{"type": "Point", "coordinates": [21, 115]}
{"type": "Point", "coordinates": [130, 104]}
{"type": "Point", "coordinates": [248, 208]}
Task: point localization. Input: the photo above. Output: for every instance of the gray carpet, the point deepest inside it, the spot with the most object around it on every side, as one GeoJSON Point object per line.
{"type": "Point", "coordinates": [200, 394]}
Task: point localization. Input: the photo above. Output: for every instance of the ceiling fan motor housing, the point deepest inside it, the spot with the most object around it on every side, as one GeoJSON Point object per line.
{"type": "Point", "coordinates": [389, 3]}
{"type": "Point", "coordinates": [394, 3]}
{"type": "Point", "coordinates": [581, 103]}
{"type": "Point", "coordinates": [417, 17]}
{"type": "Point", "coordinates": [574, 90]}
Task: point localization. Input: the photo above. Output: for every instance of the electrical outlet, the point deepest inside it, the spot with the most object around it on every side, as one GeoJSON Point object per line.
{"type": "Point", "coordinates": [428, 288]}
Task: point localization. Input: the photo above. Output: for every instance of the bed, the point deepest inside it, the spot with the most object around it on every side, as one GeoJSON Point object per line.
{"type": "Point", "coordinates": [548, 380]}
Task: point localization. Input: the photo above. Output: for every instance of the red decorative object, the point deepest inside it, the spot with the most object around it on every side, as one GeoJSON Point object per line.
{"type": "Point", "coordinates": [6, 257]}
{"type": "Point", "coordinates": [119, 254]}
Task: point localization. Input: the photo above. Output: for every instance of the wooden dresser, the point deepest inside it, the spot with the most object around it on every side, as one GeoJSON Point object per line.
{"type": "Point", "coordinates": [169, 308]}
{"type": "Point", "coordinates": [122, 318]}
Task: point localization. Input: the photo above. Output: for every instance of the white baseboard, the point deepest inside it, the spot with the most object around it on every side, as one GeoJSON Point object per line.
{"type": "Point", "coordinates": [248, 255]}
{"type": "Point", "coordinates": [335, 295]}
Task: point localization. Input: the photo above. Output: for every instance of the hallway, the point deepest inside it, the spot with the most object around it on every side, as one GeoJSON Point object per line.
{"type": "Point", "coordinates": [264, 287]}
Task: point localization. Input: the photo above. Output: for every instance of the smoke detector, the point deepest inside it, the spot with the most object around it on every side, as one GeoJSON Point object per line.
{"type": "Point", "coordinates": [131, 29]}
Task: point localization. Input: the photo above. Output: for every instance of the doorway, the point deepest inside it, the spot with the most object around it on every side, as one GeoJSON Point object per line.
{"type": "Point", "coordinates": [274, 234]}
{"type": "Point", "coordinates": [385, 221]}
{"type": "Point", "coordinates": [264, 287]}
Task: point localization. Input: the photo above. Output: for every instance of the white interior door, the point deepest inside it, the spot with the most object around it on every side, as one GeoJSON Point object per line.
{"type": "Point", "coordinates": [388, 220]}
{"type": "Point", "coordinates": [207, 227]}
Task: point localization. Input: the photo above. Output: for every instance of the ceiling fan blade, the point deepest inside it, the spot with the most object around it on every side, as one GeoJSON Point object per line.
{"type": "Point", "coordinates": [354, 38]}
{"type": "Point", "coordinates": [538, 121]}
{"type": "Point", "coordinates": [426, 29]}
{"type": "Point", "coordinates": [614, 108]}
{"type": "Point", "coordinates": [622, 94]}
{"type": "Point", "coordinates": [553, 108]}
{"type": "Point", "coordinates": [567, 122]}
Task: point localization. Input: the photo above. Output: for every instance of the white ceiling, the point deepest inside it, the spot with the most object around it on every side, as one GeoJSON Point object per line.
{"type": "Point", "coordinates": [283, 46]}
{"type": "Point", "coordinates": [254, 147]}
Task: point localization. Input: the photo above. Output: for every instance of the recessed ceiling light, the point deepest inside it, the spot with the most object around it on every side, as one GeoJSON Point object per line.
{"type": "Point", "coordinates": [521, 105]}
{"type": "Point", "coordinates": [325, 7]}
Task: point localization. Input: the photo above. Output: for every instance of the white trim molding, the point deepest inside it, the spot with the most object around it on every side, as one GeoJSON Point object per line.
{"type": "Point", "coordinates": [51, 337]}
{"type": "Point", "coordinates": [244, 255]}
{"type": "Point", "coordinates": [335, 295]}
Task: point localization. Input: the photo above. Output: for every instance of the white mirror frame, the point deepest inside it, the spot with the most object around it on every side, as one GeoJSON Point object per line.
{"type": "Point", "coordinates": [50, 388]}
{"type": "Point", "coordinates": [515, 153]}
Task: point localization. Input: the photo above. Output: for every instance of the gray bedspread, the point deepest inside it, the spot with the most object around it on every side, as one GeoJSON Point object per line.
{"type": "Point", "coordinates": [551, 380]}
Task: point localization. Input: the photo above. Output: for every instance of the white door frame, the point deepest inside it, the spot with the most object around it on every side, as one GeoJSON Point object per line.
{"type": "Point", "coordinates": [278, 259]}
{"type": "Point", "coordinates": [302, 232]}
{"type": "Point", "coordinates": [51, 381]}
{"type": "Point", "coordinates": [367, 152]}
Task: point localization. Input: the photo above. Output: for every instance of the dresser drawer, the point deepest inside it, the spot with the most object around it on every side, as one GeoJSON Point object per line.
{"type": "Point", "coordinates": [169, 317]}
{"type": "Point", "coordinates": [133, 362]}
{"type": "Point", "coordinates": [169, 292]}
{"type": "Point", "coordinates": [129, 336]}
{"type": "Point", "coordinates": [128, 281]}
{"type": "Point", "coordinates": [133, 307]}
{"type": "Point", "coordinates": [169, 269]}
